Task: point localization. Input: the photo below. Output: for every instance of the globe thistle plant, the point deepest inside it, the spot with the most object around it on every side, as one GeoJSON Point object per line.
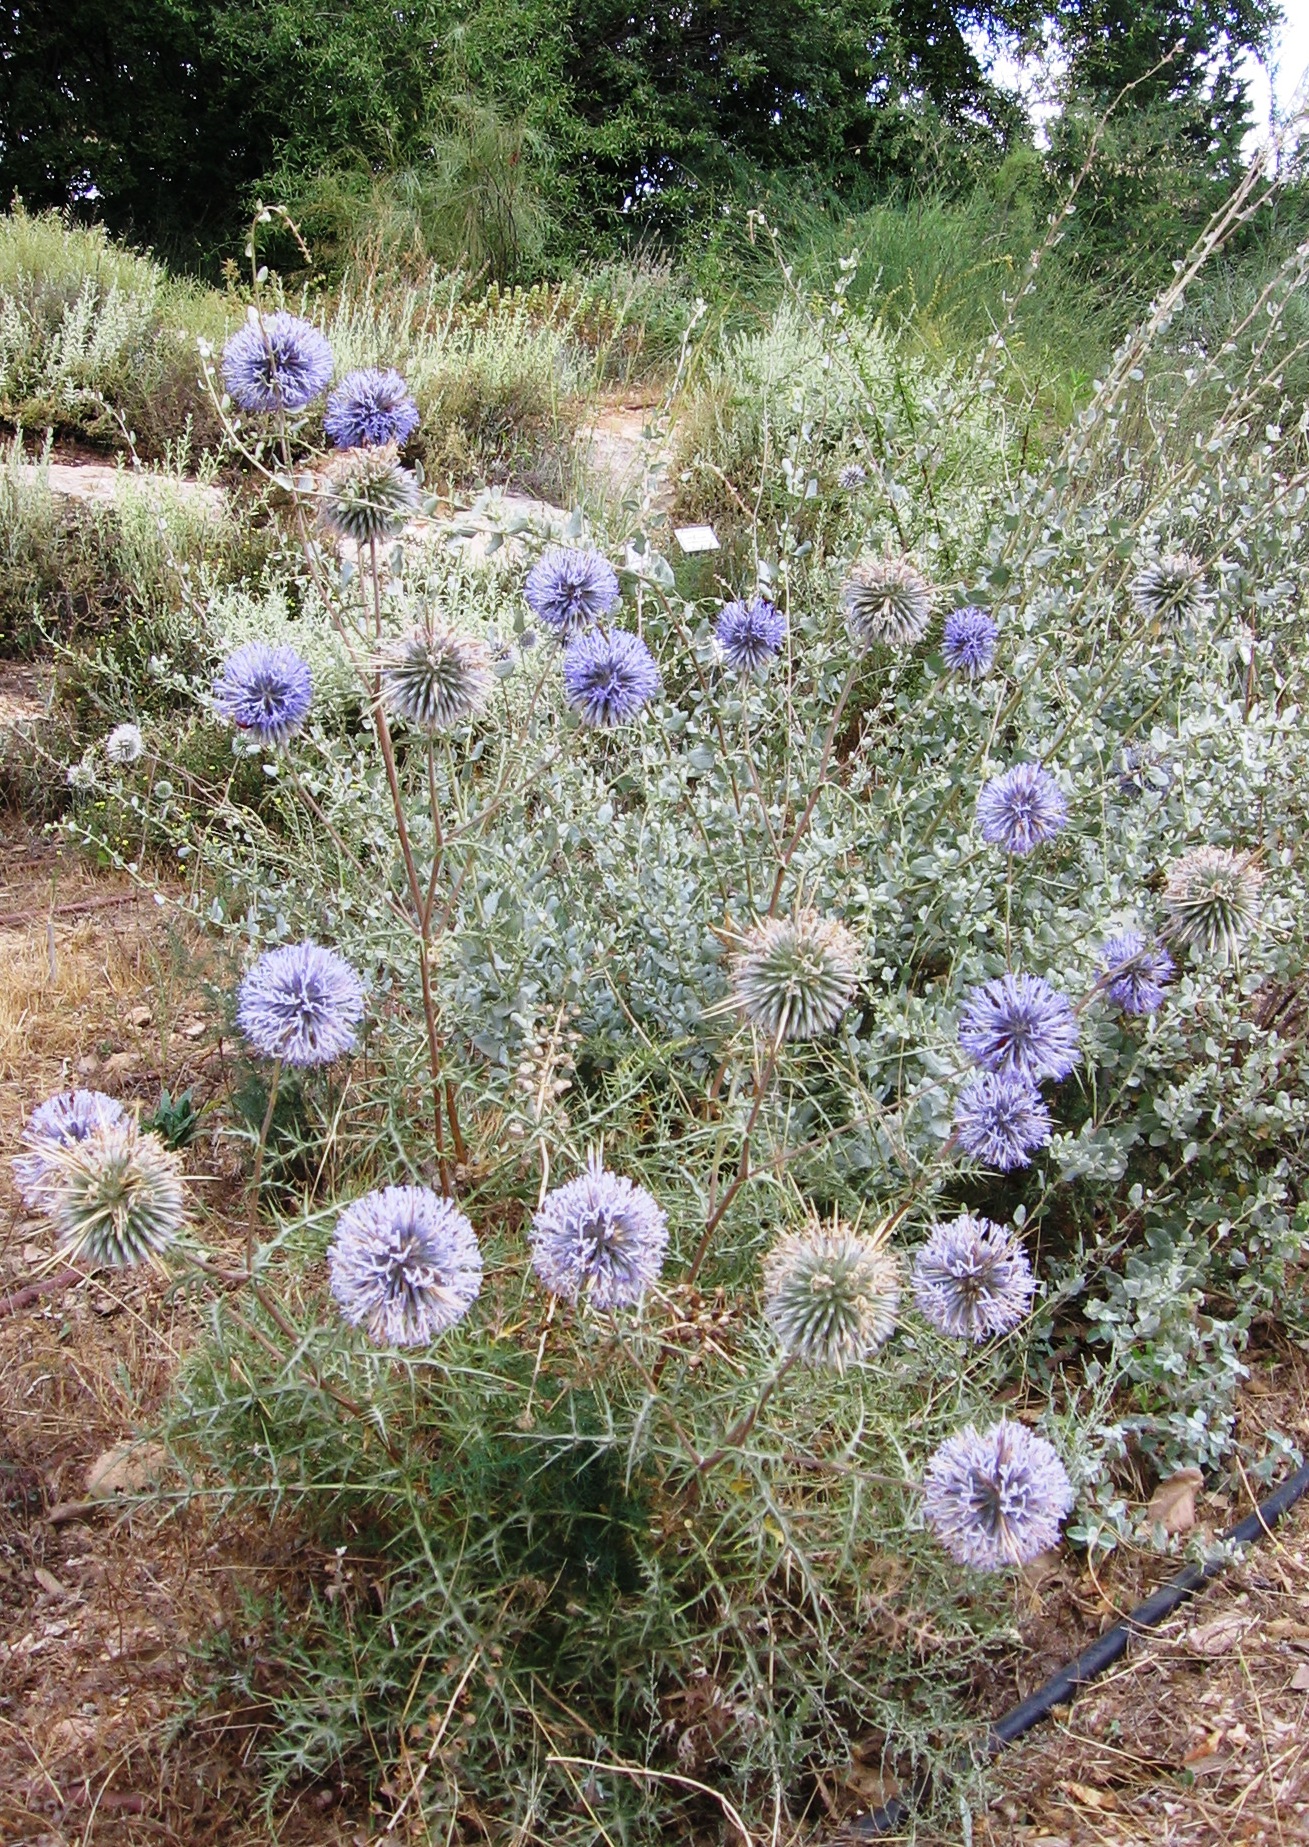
{"type": "Point", "coordinates": [57, 1123]}
{"type": "Point", "coordinates": [793, 976]}
{"type": "Point", "coordinates": [125, 745]}
{"type": "Point", "coordinates": [831, 1295]}
{"type": "Point", "coordinates": [1170, 588]}
{"type": "Point", "coordinates": [996, 1498]}
{"type": "Point", "coordinates": [968, 645]}
{"type": "Point", "coordinates": [608, 676]}
{"type": "Point", "coordinates": [405, 1265]}
{"type": "Point", "coordinates": [1020, 1024]}
{"type": "Point", "coordinates": [264, 690]}
{"type": "Point", "coordinates": [365, 495]}
{"type": "Point", "coordinates": [750, 634]}
{"type": "Point", "coordinates": [435, 679]}
{"type": "Point", "coordinates": [569, 590]}
{"type": "Point", "coordinates": [115, 1197]}
{"type": "Point", "coordinates": [1135, 973]}
{"type": "Point", "coordinates": [972, 1279]}
{"type": "Point", "coordinates": [369, 409]}
{"type": "Point", "coordinates": [1000, 1118]}
{"type": "Point", "coordinates": [886, 600]}
{"type": "Point", "coordinates": [1212, 899]}
{"type": "Point", "coordinates": [276, 362]}
{"type": "Point", "coordinates": [1021, 809]}
{"type": "Point", "coordinates": [601, 1238]}
{"type": "Point", "coordinates": [300, 1003]}
{"type": "Point", "coordinates": [851, 477]}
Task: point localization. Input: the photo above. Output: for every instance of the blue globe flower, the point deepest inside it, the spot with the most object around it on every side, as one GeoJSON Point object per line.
{"type": "Point", "coordinates": [968, 646]}
{"type": "Point", "coordinates": [570, 590]}
{"type": "Point", "coordinates": [608, 676]}
{"type": "Point", "coordinates": [1021, 809]}
{"type": "Point", "coordinates": [368, 409]}
{"type": "Point", "coordinates": [998, 1497]}
{"type": "Point", "coordinates": [750, 634]}
{"type": "Point", "coordinates": [301, 1003]}
{"type": "Point", "coordinates": [1135, 973]}
{"type": "Point", "coordinates": [972, 1278]}
{"type": "Point", "coordinates": [1019, 1023]}
{"type": "Point", "coordinates": [71, 1116]}
{"type": "Point", "coordinates": [276, 362]}
{"type": "Point", "coordinates": [264, 690]}
{"type": "Point", "coordinates": [404, 1264]}
{"type": "Point", "coordinates": [600, 1236]}
{"type": "Point", "coordinates": [1000, 1118]}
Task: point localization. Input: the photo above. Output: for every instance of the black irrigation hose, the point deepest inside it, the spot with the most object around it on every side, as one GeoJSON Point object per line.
{"type": "Point", "coordinates": [1102, 1653]}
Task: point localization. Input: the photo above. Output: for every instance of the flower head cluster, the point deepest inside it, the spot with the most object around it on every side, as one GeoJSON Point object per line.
{"type": "Point", "coordinates": [115, 1197]}
{"type": "Point", "coordinates": [750, 633]}
{"type": "Point", "coordinates": [609, 675]}
{"type": "Point", "coordinates": [404, 1264]}
{"type": "Point", "coordinates": [264, 690]}
{"type": "Point", "coordinates": [972, 1278]}
{"type": "Point", "coordinates": [569, 591]}
{"type": "Point", "coordinates": [1212, 899]}
{"type": "Point", "coordinates": [886, 600]}
{"type": "Point", "coordinates": [1170, 587]}
{"type": "Point", "coordinates": [300, 1003]}
{"type": "Point", "coordinates": [793, 976]}
{"type": "Point", "coordinates": [1135, 973]}
{"type": "Point", "coordinates": [831, 1294]}
{"type": "Point", "coordinates": [1021, 809]}
{"type": "Point", "coordinates": [851, 477]}
{"type": "Point", "coordinates": [369, 409]}
{"type": "Point", "coordinates": [1020, 1024]}
{"type": "Point", "coordinates": [69, 1117]}
{"type": "Point", "coordinates": [276, 362]}
{"type": "Point", "coordinates": [125, 745]}
{"type": "Point", "coordinates": [1000, 1118]}
{"type": "Point", "coordinates": [366, 495]}
{"type": "Point", "coordinates": [968, 645]}
{"type": "Point", "coordinates": [998, 1497]}
{"type": "Point", "coordinates": [434, 679]}
{"type": "Point", "coordinates": [599, 1236]}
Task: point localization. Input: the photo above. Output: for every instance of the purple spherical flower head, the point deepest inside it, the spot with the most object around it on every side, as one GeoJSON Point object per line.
{"type": "Point", "coordinates": [300, 1003]}
{"type": "Point", "coordinates": [999, 1118]}
{"type": "Point", "coordinates": [570, 590]}
{"type": "Point", "coordinates": [599, 1236]}
{"type": "Point", "coordinates": [1135, 973]}
{"type": "Point", "coordinates": [972, 1279]}
{"type": "Point", "coordinates": [370, 408]}
{"type": "Point", "coordinates": [1020, 809]}
{"type": "Point", "coordinates": [69, 1117]}
{"type": "Point", "coordinates": [405, 1265]}
{"type": "Point", "coordinates": [998, 1497]}
{"type": "Point", "coordinates": [750, 634]}
{"type": "Point", "coordinates": [276, 362]}
{"type": "Point", "coordinates": [608, 676]}
{"type": "Point", "coordinates": [264, 690]}
{"type": "Point", "coordinates": [968, 645]}
{"type": "Point", "coordinates": [1020, 1023]}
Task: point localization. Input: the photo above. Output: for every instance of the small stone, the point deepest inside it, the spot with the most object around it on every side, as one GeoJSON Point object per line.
{"type": "Point", "coordinates": [127, 1468]}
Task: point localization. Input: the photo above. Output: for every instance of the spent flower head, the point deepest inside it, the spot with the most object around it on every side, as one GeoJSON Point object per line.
{"type": "Point", "coordinates": [1170, 587]}
{"type": "Point", "coordinates": [793, 977]}
{"type": "Point", "coordinates": [435, 679]}
{"type": "Point", "coordinates": [264, 690]}
{"type": "Point", "coordinates": [125, 745]}
{"type": "Point", "coordinates": [365, 495]}
{"type": "Point", "coordinates": [968, 645]}
{"type": "Point", "coordinates": [276, 362]}
{"type": "Point", "coordinates": [599, 1237]}
{"type": "Point", "coordinates": [996, 1498]}
{"type": "Point", "coordinates": [1134, 972]}
{"type": "Point", "coordinates": [831, 1294]}
{"type": "Point", "coordinates": [888, 600]}
{"type": "Point", "coordinates": [1000, 1118]}
{"type": "Point", "coordinates": [750, 633]}
{"type": "Point", "coordinates": [1021, 809]}
{"type": "Point", "coordinates": [369, 409]}
{"type": "Point", "coordinates": [569, 590]}
{"type": "Point", "coordinates": [69, 1117]}
{"type": "Point", "coordinates": [972, 1278]}
{"type": "Point", "coordinates": [300, 1003]}
{"type": "Point", "coordinates": [115, 1197]}
{"type": "Point", "coordinates": [1020, 1023]}
{"type": "Point", "coordinates": [1212, 899]}
{"type": "Point", "coordinates": [405, 1265]}
{"type": "Point", "coordinates": [608, 676]}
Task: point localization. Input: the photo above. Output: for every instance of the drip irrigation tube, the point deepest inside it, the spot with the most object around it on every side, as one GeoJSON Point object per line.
{"type": "Point", "coordinates": [1102, 1653]}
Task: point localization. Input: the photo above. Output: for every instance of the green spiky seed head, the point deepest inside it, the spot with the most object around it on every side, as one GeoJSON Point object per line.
{"type": "Point", "coordinates": [793, 976]}
{"type": "Point", "coordinates": [887, 600]}
{"type": "Point", "coordinates": [831, 1294]}
{"type": "Point", "coordinates": [1170, 588]}
{"type": "Point", "coordinates": [435, 679]}
{"type": "Point", "coordinates": [365, 494]}
{"type": "Point", "coordinates": [1212, 900]}
{"type": "Point", "coordinates": [116, 1198]}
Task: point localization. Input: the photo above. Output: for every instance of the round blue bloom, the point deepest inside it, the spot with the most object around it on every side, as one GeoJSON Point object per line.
{"type": "Point", "coordinates": [1020, 1023]}
{"type": "Point", "coordinates": [968, 645]}
{"type": "Point", "coordinates": [69, 1117]}
{"type": "Point", "coordinates": [996, 1497]}
{"type": "Point", "coordinates": [750, 634]}
{"type": "Point", "coordinates": [972, 1278]}
{"type": "Point", "coordinates": [570, 590]}
{"type": "Point", "coordinates": [999, 1118]}
{"type": "Point", "coordinates": [1135, 973]}
{"type": "Point", "coordinates": [276, 362]}
{"type": "Point", "coordinates": [370, 408]}
{"type": "Point", "coordinates": [608, 676]}
{"type": "Point", "coordinates": [600, 1236]}
{"type": "Point", "coordinates": [404, 1264]}
{"type": "Point", "coordinates": [1022, 808]}
{"type": "Point", "coordinates": [300, 1003]}
{"type": "Point", "coordinates": [264, 690]}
